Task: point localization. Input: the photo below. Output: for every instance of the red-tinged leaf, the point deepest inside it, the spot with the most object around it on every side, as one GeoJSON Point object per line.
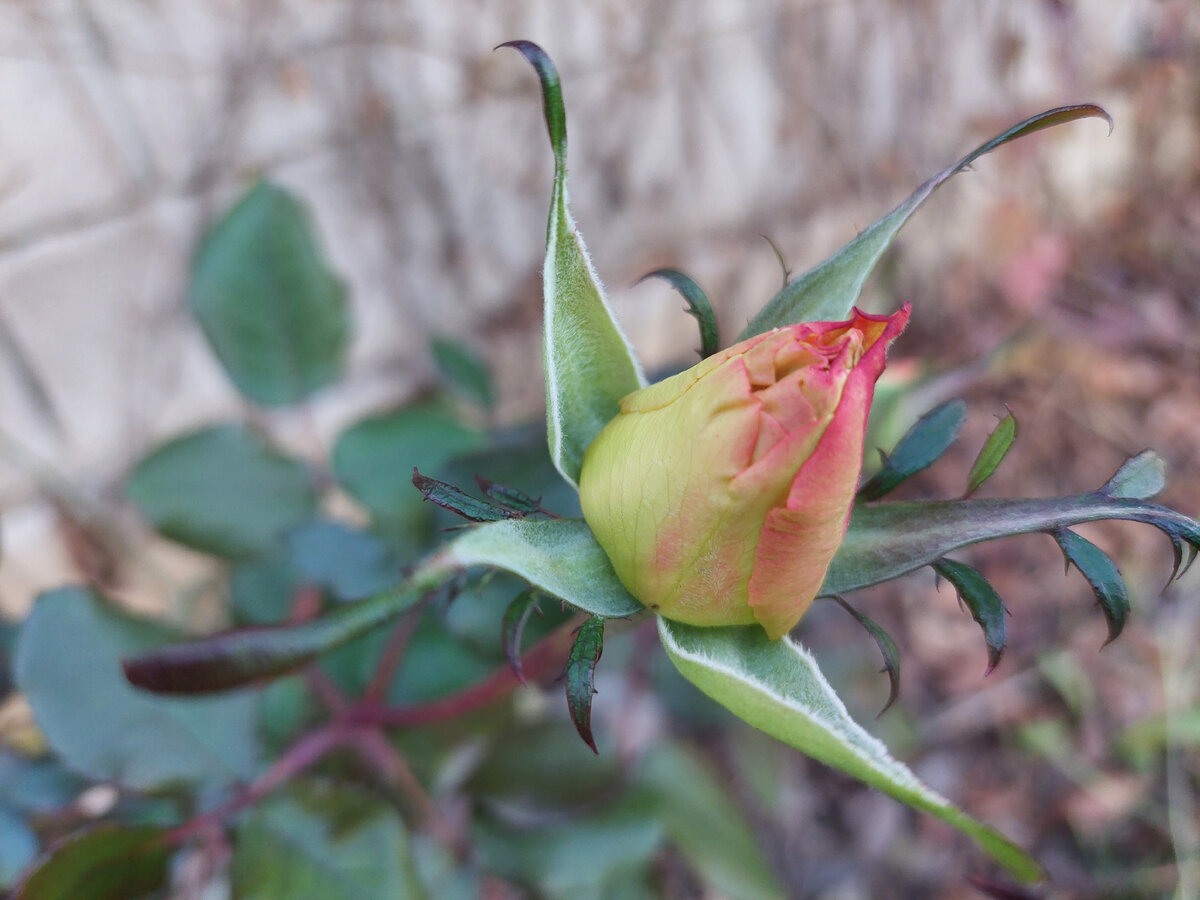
{"type": "Point", "coordinates": [580, 678]}
{"type": "Point", "coordinates": [108, 862]}
{"type": "Point", "coordinates": [513, 626]}
{"type": "Point", "coordinates": [447, 496]}
{"type": "Point", "coordinates": [982, 600]}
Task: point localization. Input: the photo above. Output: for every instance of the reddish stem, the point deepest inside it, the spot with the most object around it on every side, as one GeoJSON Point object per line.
{"type": "Point", "coordinates": [543, 657]}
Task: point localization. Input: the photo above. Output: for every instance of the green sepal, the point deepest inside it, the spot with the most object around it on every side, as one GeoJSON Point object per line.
{"type": "Point", "coordinates": [982, 600]}
{"type": "Point", "coordinates": [891, 653]}
{"type": "Point", "coordinates": [920, 448]}
{"type": "Point", "coordinates": [581, 675]}
{"type": "Point", "coordinates": [512, 626]}
{"type": "Point", "coordinates": [1102, 576]}
{"type": "Point", "coordinates": [458, 501]}
{"type": "Point", "coordinates": [699, 307]}
{"type": "Point", "coordinates": [510, 497]}
{"type": "Point", "coordinates": [828, 291]}
{"type": "Point", "coordinates": [589, 363]}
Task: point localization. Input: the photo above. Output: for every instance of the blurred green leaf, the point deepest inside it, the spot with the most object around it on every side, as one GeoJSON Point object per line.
{"type": "Point", "coordinates": [37, 785]}
{"type": "Point", "coordinates": [580, 677]}
{"type": "Point", "coordinates": [1144, 742]}
{"type": "Point", "coordinates": [222, 490]}
{"type": "Point", "coordinates": [924, 443]}
{"type": "Point", "coordinates": [323, 842]}
{"type": "Point", "coordinates": [886, 540]}
{"type": "Point", "coordinates": [18, 846]}
{"type": "Point", "coordinates": [1102, 576]}
{"type": "Point", "coordinates": [273, 312]}
{"type": "Point", "coordinates": [827, 292]}
{"type": "Point", "coordinates": [586, 861]}
{"type": "Point", "coordinates": [463, 369]}
{"type": "Point", "coordinates": [107, 862]}
{"type": "Point", "coordinates": [588, 362]}
{"type": "Point", "coordinates": [261, 591]}
{"type": "Point", "coordinates": [69, 667]}
{"type": "Point", "coordinates": [776, 686]}
{"type": "Point", "coordinates": [559, 556]}
{"type": "Point", "coordinates": [349, 563]}
{"type": "Point", "coordinates": [709, 830]}
{"type": "Point", "coordinates": [982, 600]}
{"type": "Point", "coordinates": [698, 307]}
{"type": "Point", "coordinates": [436, 664]}
{"type": "Point", "coordinates": [995, 448]}
{"type": "Point", "coordinates": [374, 459]}
{"type": "Point", "coordinates": [1139, 478]}
{"type": "Point", "coordinates": [512, 626]}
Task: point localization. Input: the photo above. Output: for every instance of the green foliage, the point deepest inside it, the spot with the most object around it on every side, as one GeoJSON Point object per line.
{"type": "Point", "coordinates": [994, 449]}
{"type": "Point", "coordinates": [982, 600]}
{"type": "Point", "coordinates": [920, 448]}
{"type": "Point", "coordinates": [1102, 576]}
{"type": "Point", "coordinates": [463, 370]}
{"type": "Point", "coordinates": [222, 490]}
{"type": "Point", "coordinates": [580, 677]}
{"type": "Point", "coordinates": [698, 307]}
{"type": "Point", "coordinates": [273, 312]}
{"type": "Point", "coordinates": [107, 862]}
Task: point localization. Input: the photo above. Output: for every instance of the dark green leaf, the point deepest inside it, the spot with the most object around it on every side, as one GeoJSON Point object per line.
{"type": "Point", "coordinates": [995, 448]}
{"type": "Point", "coordinates": [1101, 573]}
{"type": "Point", "coordinates": [222, 490]}
{"type": "Point", "coordinates": [827, 292]}
{"type": "Point", "coordinates": [374, 459]}
{"type": "Point", "coordinates": [323, 842]}
{"type": "Point", "coordinates": [18, 846]}
{"type": "Point", "coordinates": [707, 827]}
{"type": "Point", "coordinates": [886, 540]}
{"type": "Point", "coordinates": [463, 369]}
{"type": "Point", "coordinates": [776, 687]}
{"type": "Point", "coordinates": [982, 600]}
{"type": "Point", "coordinates": [1139, 478]}
{"type": "Point", "coordinates": [273, 312]}
{"type": "Point", "coordinates": [510, 497]}
{"type": "Point", "coordinates": [68, 666]}
{"type": "Point", "coordinates": [262, 591]}
{"type": "Point", "coordinates": [107, 862]}
{"type": "Point", "coordinates": [891, 654]}
{"type": "Point", "coordinates": [349, 563]}
{"type": "Point", "coordinates": [513, 625]}
{"type": "Point", "coordinates": [588, 363]}
{"type": "Point", "coordinates": [580, 677]}
{"type": "Point", "coordinates": [927, 440]}
{"type": "Point", "coordinates": [698, 307]}
{"type": "Point", "coordinates": [447, 496]}
{"type": "Point", "coordinates": [244, 656]}
{"type": "Point", "coordinates": [559, 556]}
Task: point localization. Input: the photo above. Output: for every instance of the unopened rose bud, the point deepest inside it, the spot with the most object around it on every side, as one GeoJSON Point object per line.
{"type": "Point", "coordinates": [721, 494]}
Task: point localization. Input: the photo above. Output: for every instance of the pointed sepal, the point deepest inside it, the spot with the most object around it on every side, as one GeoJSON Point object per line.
{"type": "Point", "coordinates": [891, 653]}
{"type": "Point", "coordinates": [581, 676]}
{"type": "Point", "coordinates": [1102, 576]}
{"type": "Point", "coordinates": [920, 448]}
{"type": "Point", "coordinates": [994, 449]}
{"type": "Point", "coordinates": [698, 307]}
{"type": "Point", "coordinates": [981, 599]}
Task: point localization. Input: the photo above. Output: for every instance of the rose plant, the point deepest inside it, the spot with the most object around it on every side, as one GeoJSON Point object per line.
{"type": "Point", "coordinates": [722, 500]}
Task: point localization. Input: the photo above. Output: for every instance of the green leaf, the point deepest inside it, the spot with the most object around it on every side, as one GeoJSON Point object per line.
{"type": "Point", "coordinates": [828, 291]}
{"type": "Point", "coordinates": [558, 556]}
{"type": "Point", "coordinates": [698, 307]}
{"type": "Point", "coordinates": [891, 654]}
{"type": "Point", "coordinates": [107, 862]}
{"type": "Point", "coordinates": [447, 496]}
{"type": "Point", "coordinates": [512, 498]}
{"type": "Point", "coordinates": [273, 312]}
{"type": "Point", "coordinates": [589, 364]}
{"type": "Point", "coordinates": [1140, 478]}
{"type": "Point", "coordinates": [18, 846]}
{"type": "Point", "coordinates": [463, 369]}
{"type": "Point", "coordinates": [995, 448]}
{"type": "Point", "coordinates": [1101, 574]}
{"type": "Point", "coordinates": [349, 563]}
{"type": "Point", "coordinates": [887, 540]}
{"type": "Point", "coordinates": [982, 600]}
{"type": "Point", "coordinates": [323, 843]}
{"type": "Point", "coordinates": [242, 656]}
{"type": "Point", "coordinates": [36, 786]}
{"type": "Point", "coordinates": [920, 447]}
{"type": "Point", "coordinates": [708, 829]}
{"type": "Point", "coordinates": [580, 676]}
{"type": "Point", "coordinates": [513, 626]}
{"type": "Point", "coordinates": [68, 666]}
{"type": "Point", "coordinates": [373, 460]}
{"type": "Point", "coordinates": [776, 687]}
{"type": "Point", "coordinates": [222, 490]}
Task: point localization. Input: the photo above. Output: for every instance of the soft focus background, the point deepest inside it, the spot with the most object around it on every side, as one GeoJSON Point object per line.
{"type": "Point", "coordinates": [1060, 278]}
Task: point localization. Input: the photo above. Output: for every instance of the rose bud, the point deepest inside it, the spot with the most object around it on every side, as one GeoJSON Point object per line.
{"type": "Point", "coordinates": [721, 494]}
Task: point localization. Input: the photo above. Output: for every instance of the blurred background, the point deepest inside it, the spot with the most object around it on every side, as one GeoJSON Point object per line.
{"type": "Point", "coordinates": [1060, 278]}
